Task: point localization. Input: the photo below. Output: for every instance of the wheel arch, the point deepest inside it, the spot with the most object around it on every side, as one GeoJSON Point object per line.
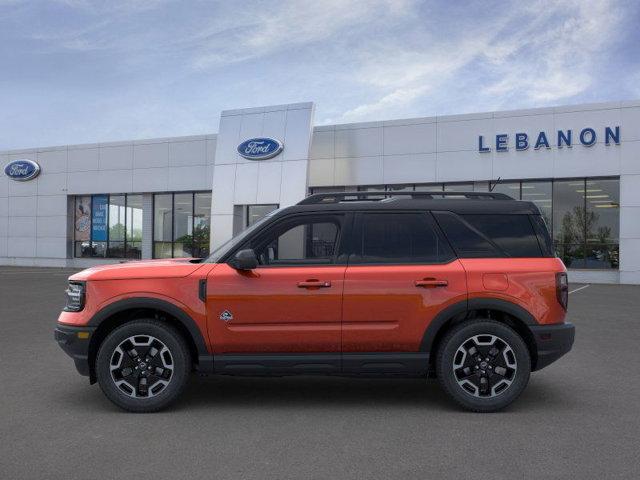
{"type": "Point", "coordinates": [503, 311]}
{"type": "Point", "coordinates": [122, 311]}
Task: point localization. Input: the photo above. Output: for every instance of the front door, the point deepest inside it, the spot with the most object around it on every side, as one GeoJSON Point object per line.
{"type": "Point", "coordinates": [400, 275]}
{"type": "Point", "coordinates": [291, 303]}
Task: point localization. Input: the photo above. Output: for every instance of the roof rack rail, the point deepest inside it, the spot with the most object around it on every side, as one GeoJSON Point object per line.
{"type": "Point", "coordinates": [338, 197]}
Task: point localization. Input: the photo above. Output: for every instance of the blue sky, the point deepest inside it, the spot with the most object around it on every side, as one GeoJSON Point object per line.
{"type": "Point", "coordinates": [77, 71]}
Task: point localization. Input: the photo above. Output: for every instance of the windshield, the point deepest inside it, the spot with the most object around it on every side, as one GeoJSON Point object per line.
{"type": "Point", "coordinates": [232, 243]}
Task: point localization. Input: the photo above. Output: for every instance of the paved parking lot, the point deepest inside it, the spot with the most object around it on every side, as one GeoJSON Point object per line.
{"type": "Point", "coordinates": [579, 418]}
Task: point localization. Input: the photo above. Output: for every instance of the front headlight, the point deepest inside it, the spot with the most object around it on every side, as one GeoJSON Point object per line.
{"type": "Point", "coordinates": [75, 296]}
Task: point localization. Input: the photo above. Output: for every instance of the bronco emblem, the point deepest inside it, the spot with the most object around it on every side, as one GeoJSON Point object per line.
{"type": "Point", "coordinates": [226, 316]}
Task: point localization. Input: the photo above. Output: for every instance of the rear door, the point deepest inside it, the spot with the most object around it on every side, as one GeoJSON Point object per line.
{"type": "Point", "coordinates": [401, 273]}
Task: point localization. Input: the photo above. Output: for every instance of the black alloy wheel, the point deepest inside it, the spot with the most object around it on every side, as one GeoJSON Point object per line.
{"type": "Point", "coordinates": [143, 365]}
{"type": "Point", "coordinates": [484, 365]}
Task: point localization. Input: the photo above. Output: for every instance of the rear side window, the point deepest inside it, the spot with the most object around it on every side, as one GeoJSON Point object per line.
{"type": "Point", "coordinates": [398, 238]}
{"type": "Point", "coordinates": [513, 234]}
{"type": "Point", "coordinates": [482, 236]}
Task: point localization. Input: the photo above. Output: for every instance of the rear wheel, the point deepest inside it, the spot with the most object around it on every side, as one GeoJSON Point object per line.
{"type": "Point", "coordinates": [143, 365]}
{"type": "Point", "coordinates": [483, 365]}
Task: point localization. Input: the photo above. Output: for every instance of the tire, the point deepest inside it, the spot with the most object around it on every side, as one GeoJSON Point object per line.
{"type": "Point", "coordinates": [145, 345]}
{"type": "Point", "coordinates": [460, 368]}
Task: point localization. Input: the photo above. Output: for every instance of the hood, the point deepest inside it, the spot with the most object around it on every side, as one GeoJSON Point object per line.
{"type": "Point", "coordinates": [165, 268]}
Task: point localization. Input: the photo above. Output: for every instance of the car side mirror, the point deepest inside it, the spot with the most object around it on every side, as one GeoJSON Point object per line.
{"type": "Point", "coordinates": [244, 260]}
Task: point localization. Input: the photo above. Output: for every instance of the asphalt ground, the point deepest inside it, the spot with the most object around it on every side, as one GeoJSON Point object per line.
{"type": "Point", "coordinates": [578, 418]}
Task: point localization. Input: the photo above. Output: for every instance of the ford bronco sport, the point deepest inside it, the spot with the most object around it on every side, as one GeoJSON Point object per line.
{"type": "Point", "coordinates": [463, 286]}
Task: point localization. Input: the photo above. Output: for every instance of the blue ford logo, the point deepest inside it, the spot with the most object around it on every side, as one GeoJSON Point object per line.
{"type": "Point", "coordinates": [22, 170]}
{"type": "Point", "coordinates": [260, 148]}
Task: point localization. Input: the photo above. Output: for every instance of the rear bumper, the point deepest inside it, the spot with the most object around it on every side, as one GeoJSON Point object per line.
{"type": "Point", "coordinates": [552, 342]}
{"type": "Point", "coordinates": [75, 343]}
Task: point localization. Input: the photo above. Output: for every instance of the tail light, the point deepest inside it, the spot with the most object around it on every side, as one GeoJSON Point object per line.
{"type": "Point", "coordinates": [562, 289]}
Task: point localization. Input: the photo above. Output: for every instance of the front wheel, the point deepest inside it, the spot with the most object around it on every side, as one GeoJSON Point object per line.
{"type": "Point", "coordinates": [483, 365]}
{"type": "Point", "coordinates": [143, 366]}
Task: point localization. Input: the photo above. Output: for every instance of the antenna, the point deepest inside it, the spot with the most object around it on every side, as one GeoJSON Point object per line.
{"type": "Point", "coordinates": [494, 185]}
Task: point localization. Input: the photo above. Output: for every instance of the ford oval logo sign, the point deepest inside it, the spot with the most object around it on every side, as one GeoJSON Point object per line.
{"type": "Point", "coordinates": [22, 170]}
{"type": "Point", "coordinates": [260, 148]}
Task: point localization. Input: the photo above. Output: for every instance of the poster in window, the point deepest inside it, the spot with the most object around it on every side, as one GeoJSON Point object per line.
{"type": "Point", "coordinates": [99, 218]}
{"type": "Point", "coordinates": [83, 218]}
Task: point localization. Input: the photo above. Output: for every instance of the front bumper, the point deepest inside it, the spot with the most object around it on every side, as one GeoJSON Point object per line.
{"type": "Point", "coordinates": [75, 343]}
{"type": "Point", "coordinates": [552, 342]}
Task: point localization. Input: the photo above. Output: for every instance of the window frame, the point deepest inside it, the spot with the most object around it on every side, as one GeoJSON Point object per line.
{"type": "Point", "coordinates": [356, 234]}
{"type": "Point", "coordinates": [247, 209]}
{"type": "Point", "coordinates": [125, 239]}
{"type": "Point", "coordinates": [173, 217]}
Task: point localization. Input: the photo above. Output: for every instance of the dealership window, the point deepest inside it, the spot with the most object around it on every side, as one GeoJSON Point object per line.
{"type": "Point", "coordinates": [540, 193]}
{"type": "Point", "coordinates": [603, 234]}
{"type": "Point", "coordinates": [399, 188]}
{"type": "Point", "coordinates": [586, 222]}
{"type": "Point", "coordinates": [257, 212]}
{"type": "Point", "coordinates": [181, 224]}
{"type": "Point", "coordinates": [582, 215]}
{"type": "Point", "coordinates": [569, 222]}
{"type": "Point", "coordinates": [429, 187]}
{"type": "Point", "coordinates": [458, 187]}
{"type": "Point", "coordinates": [108, 226]}
{"type": "Point", "coordinates": [511, 189]}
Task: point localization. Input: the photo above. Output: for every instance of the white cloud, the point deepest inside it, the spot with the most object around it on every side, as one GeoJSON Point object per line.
{"type": "Point", "coordinates": [254, 33]}
{"type": "Point", "coordinates": [542, 52]}
{"type": "Point", "coordinates": [555, 63]}
{"type": "Point", "coordinates": [398, 98]}
{"type": "Point", "coordinates": [165, 67]}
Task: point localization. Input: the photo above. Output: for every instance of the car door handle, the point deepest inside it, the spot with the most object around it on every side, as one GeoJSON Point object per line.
{"type": "Point", "coordinates": [314, 284]}
{"type": "Point", "coordinates": [431, 283]}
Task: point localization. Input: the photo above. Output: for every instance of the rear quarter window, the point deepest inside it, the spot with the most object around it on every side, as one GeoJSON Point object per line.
{"type": "Point", "coordinates": [514, 234]}
{"type": "Point", "coordinates": [488, 235]}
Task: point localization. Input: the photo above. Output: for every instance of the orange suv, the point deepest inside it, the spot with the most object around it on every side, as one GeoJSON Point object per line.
{"type": "Point", "coordinates": [463, 286]}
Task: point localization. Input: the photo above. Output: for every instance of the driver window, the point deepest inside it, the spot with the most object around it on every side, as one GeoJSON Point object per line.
{"type": "Point", "coordinates": [305, 242]}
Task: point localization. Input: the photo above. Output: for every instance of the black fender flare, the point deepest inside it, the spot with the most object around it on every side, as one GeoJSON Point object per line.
{"type": "Point", "coordinates": [439, 321]}
{"type": "Point", "coordinates": [457, 309]}
{"type": "Point", "coordinates": [504, 306]}
{"type": "Point", "coordinates": [155, 304]}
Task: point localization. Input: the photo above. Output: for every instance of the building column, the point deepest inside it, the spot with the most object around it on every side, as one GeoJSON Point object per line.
{"type": "Point", "coordinates": [147, 225]}
{"type": "Point", "coordinates": [280, 180]}
{"type": "Point", "coordinates": [629, 229]}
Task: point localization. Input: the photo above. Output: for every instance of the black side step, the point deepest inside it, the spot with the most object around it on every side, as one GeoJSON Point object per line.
{"type": "Point", "coordinates": [413, 364]}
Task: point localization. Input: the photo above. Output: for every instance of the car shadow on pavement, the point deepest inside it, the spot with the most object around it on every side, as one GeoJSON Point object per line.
{"type": "Point", "coordinates": [221, 392]}
{"type": "Point", "coordinates": [256, 392]}
{"type": "Point", "coordinates": [312, 392]}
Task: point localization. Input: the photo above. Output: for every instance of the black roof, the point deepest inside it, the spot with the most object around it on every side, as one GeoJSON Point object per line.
{"type": "Point", "coordinates": [457, 202]}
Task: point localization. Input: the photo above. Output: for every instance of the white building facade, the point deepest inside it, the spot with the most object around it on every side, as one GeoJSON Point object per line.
{"type": "Point", "coordinates": [81, 205]}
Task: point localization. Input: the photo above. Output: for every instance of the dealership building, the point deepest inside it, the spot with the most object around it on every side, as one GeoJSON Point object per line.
{"type": "Point", "coordinates": [81, 205]}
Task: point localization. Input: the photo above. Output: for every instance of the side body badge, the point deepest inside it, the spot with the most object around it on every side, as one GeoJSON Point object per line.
{"type": "Point", "coordinates": [226, 316]}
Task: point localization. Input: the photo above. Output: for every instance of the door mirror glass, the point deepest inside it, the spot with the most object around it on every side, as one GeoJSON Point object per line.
{"type": "Point", "coordinates": [244, 260]}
